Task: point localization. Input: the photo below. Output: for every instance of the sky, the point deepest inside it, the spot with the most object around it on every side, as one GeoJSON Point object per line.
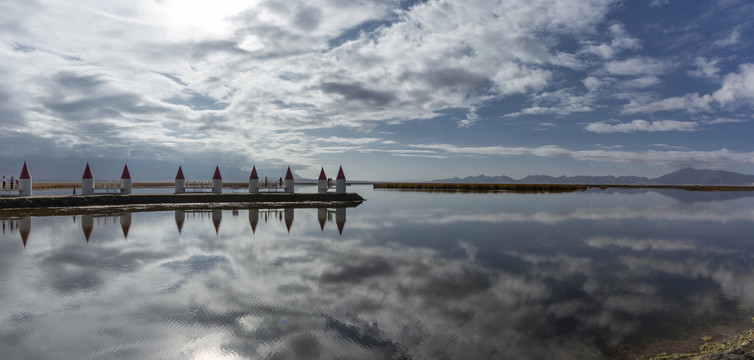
{"type": "Point", "coordinates": [390, 90]}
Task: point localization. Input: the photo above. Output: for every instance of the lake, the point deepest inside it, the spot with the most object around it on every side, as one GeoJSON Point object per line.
{"type": "Point", "coordinates": [405, 275]}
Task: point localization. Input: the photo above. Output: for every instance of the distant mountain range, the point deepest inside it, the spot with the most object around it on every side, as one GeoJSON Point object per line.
{"type": "Point", "coordinates": [687, 176]}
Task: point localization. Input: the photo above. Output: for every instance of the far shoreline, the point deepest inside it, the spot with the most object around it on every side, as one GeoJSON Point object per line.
{"type": "Point", "coordinates": [507, 187]}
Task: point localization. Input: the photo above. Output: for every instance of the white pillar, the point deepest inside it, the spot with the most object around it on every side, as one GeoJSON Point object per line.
{"type": "Point", "coordinates": [322, 182]}
{"type": "Point", "coordinates": [254, 181]}
{"type": "Point", "coordinates": [180, 182]}
{"type": "Point", "coordinates": [87, 182]}
{"type": "Point", "coordinates": [340, 182]}
{"type": "Point", "coordinates": [289, 181]}
{"type": "Point", "coordinates": [24, 182]}
{"type": "Point", "coordinates": [125, 181]}
{"type": "Point", "coordinates": [217, 181]}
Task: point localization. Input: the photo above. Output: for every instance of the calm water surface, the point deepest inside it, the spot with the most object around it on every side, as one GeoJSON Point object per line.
{"type": "Point", "coordinates": [405, 275]}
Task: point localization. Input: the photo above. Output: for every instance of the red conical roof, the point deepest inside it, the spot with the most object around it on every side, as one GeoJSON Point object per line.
{"type": "Point", "coordinates": [322, 175]}
{"type": "Point", "coordinates": [125, 174]}
{"type": "Point", "coordinates": [24, 173]}
{"type": "Point", "coordinates": [179, 175]}
{"type": "Point", "coordinates": [217, 175]}
{"type": "Point", "coordinates": [87, 173]}
{"type": "Point", "coordinates": [288, 174]}
{"type": "Point", "coordinates": [340, 174]}
{"type": "Point", "coordinates": [253, 175]}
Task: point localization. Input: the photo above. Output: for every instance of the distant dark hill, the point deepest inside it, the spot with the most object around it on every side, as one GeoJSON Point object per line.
{"type": "Point", "coordinates": [585, 180]}
{"type": "Point", "coordinates": [687, 176]}
{"type": "Point", "coordinates": [545, 179]}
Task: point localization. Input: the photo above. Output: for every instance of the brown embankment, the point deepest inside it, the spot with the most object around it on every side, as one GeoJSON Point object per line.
{"type": "Point", "coordinates": [543, 187]}
{"type": "Point", "coordinates": [282, 199]}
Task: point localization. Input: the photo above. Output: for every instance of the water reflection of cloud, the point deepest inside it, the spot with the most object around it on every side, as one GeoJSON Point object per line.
{"type": "Point", "coordinates": [667, 212]}
{"type": "Point", "coordinates": [640, 244]}
{"type": "Point", "coordinates": [316, 294]}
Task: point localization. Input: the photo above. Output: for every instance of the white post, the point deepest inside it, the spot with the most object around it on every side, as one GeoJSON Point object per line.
{"type": "Point", "coordinates": [87, 182]}
{"type": "Point", "coordinates": [125, 181]}
{"type": "Point", "coordinates": [180, 182]}
{"type": "Point", "coordinates": [322, 182]}
{"type": "Point", "coordinates": [289, 181]}
{"type": "Point", "coordinates": [340, 182]}
{"type": "Point", "coordinates": [217, 181]}
{"type": "Point", "coordinates": [24, 182]}
{"type": "Point", "coordinates": [254, 181]}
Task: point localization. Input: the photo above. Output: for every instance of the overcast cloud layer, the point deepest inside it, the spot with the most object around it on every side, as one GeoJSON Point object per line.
{"type": "Point", "coordinates": [432, 89]}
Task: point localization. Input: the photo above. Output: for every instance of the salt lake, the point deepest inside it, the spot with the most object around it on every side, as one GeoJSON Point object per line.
{"type": "Point", "coordinates": [405, 275]}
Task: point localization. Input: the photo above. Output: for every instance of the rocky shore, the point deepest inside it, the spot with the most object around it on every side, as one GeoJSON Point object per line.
{"type": "Point", "coordinates": [738, 347]}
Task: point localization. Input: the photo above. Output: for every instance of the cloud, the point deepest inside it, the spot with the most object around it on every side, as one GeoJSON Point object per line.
{"type": "Point", "coordinates": [560, 102]}
{"type": "Point", "coordinates": [187, 80]}
{"type": "Point", "coordinates": [620, 41]}
{"type": "Point", "coordinates": [471, 118]}
{"type": "Point", "coordinates": [732, 39]}
{"type": "Point", "coordinates": [737, 90]}
{"type": "Point", "coordinates": [640, 82]}
{"type": "Point", "coordinates": [637, 66]}
{"type": "Point", "coordinates": [737, 87]}
{"type": "Point", "coordinates": [358, 92]}
{"type": "Point", "coordinates": [713, 159]}
{"type": "Point", "coordinates": [689, 102]}
{"type": "Point", "coordinates": [642, 125]}
{"type": "Point", "coordinates": [705, 68]}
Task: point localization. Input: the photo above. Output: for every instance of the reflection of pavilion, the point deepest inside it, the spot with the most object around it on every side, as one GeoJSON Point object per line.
{"type": "Point", "coordinates": [324, 215]}
{"type": "Point", "coordinates": [88, 221]}
{"type": "Point", "coordinates": [215, 214]}
{"type": "Point", "coordinates": [23, 225]}
{"type": "Point", "coordinates": [217, 218]}
{"type": "Point", "coordinates": [285, 215]}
